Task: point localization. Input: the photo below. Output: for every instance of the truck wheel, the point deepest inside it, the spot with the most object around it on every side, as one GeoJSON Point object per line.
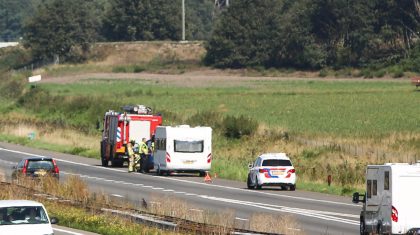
{"type": "Point", "coordinates": [202, 173]}
{"type": "Point", "coordinates": [104, 162]}
{"type": "Point", "coordinates": [292, 187]}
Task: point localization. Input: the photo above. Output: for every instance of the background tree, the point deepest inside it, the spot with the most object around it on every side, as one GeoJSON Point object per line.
{"type": "Point", "coordinates": [12, 14]}
{"type": "Point", "coordinates": [198, 19]}
{"type": "Point", "coordinates": [244, 34]}
{"type": "Point", "coordinates": [61, 29]}
{"type": "Point", "coordinates": [131, 20]}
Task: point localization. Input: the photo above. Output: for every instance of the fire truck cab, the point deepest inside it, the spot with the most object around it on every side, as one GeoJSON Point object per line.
{"type": "Point", "coordinates": [135, 123]}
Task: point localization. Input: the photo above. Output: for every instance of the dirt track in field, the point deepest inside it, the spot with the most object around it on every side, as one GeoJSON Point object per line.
{"type": "Point", "coordinates": [202, 78]}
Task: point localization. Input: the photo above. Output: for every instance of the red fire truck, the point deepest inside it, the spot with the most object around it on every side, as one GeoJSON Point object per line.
{"type": "Point", "coordinates": [135, 123]}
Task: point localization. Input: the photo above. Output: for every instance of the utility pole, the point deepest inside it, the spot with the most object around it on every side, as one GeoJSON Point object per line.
{"type": "Point", "coordinates": [183, 20]}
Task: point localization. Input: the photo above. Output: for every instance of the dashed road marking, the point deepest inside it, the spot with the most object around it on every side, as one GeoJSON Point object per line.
{"type": "Point", "coordinates": [325, 215]}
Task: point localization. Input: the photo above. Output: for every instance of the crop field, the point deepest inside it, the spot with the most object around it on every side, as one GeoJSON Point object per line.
{"type": "Point", "coordinates": [361, 108]}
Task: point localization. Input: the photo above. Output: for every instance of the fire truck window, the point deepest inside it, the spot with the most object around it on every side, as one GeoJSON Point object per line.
{"type": "Point", "coordinates": [369, 188]}
{"type": "Point", "coordinates": [375, 188]}
{"type": "Point", "coordinates": [386, 181]}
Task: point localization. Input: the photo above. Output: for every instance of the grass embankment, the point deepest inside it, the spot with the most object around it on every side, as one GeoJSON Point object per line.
{"type": "Point", "coordinates": [72, 203]}
{"type": "Point", "coordinates": [80, 217]}
{"type": "Point", "coordinates": [329, 127]}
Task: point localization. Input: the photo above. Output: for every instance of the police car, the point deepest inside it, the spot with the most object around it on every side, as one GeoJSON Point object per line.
{"type": "Point", "coordinates": [272, 169]}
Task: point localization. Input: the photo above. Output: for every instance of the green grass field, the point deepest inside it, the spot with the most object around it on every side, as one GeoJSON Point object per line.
{"type": "Point", "coordinates": [363, 121]}
{"type": "Point", "coordinates": [361, 108]}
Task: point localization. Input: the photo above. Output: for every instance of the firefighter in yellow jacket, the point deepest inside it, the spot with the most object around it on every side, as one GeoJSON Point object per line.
{"type": "Point", "coordinates": [130, 153]}
{"type": "Point", "coordinates": [143, 155]}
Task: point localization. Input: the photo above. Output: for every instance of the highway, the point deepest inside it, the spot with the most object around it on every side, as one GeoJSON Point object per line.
{"type": "Point", "coordinates": [315, 213]}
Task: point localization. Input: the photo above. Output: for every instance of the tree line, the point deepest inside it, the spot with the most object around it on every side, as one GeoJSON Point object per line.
{"type": "Point", "coordinates": [303, 34]}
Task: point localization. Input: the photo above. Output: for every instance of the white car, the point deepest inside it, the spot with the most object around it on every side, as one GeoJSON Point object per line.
{"type": "Point", "coordinates": [272, 169]}
{"type": "Point", "coordinates": [20, 217]}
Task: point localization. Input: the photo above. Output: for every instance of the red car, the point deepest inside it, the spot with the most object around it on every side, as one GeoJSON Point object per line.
{"type": "Point", "coordinates": [36, 167]}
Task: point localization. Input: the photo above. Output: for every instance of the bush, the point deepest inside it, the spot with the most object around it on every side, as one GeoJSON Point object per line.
{"type": "Point", "coordinates": [138, 69]}
{"type": "Point", "coordinates": [14, 58]}
{"type": "Point", "coordinates": [208, 118]}
{"type": "Point", "coordinates": [119, 69]}
{"type": "Point", "coordinates": [398, 73]}
{"type": "Point", "coordinates": [323, 73]}
{"type": "Point", "coordinates": [12, 87]}
{"type": "Point", "coordinates": [379, 73]}
{"type": "Point", "coordinates": [366, 73]}
{"type": "Point", "coordinates": [237, 127]}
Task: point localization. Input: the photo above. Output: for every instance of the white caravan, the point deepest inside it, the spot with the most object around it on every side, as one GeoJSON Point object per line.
{"type": "Point", "coordinates": [182, 149]}
{"type": "Point", "coordinates": [391, 204]}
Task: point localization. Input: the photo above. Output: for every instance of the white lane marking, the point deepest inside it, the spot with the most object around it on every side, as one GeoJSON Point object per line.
{"type": "Point", "coordinates": [304, 212]}
{"type": "Point", "coordinates": [61, 160]}
{"type": "Point", "coordinates": [147, 186]}
{"type": "Point", "coordinates": [191, 194]}
{"type": "Point", "coordinates": [67, 231]}
{"type": "Point", "coordinates": [192, 182]}
{"type": "Point", "coordinates": [116, 195]}
{"type": "Point", "coordinates": [237, 218]}
{"type": "Point", "coordinates": [157, 188]}
{"type": "Point", "coordinates": [168, 190]}
{"type": "Point", "coordinates": [257, 192]}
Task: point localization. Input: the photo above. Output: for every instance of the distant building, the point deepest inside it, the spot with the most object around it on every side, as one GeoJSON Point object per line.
{"type": "Point", "coordinates": [8, 44]}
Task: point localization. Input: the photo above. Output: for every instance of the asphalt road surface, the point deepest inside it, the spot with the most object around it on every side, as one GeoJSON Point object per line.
{"type": "Point", "coordinates": [315, 213]}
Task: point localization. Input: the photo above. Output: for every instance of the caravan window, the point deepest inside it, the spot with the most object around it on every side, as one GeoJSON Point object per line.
{"type": "Point", "coordinates": [369, 188]}
{"type": "Point", "coordinates": [386, 181]}
{"type": "Point", "coordinates": [160, 144]}
{"type": "Point", "coordinates": [375, 188]}
{"type": "Point", "coordinates": [188, 146]}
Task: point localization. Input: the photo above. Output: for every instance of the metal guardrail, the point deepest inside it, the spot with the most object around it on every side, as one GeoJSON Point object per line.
{"type": "Point", "coordinates": [159, 221]}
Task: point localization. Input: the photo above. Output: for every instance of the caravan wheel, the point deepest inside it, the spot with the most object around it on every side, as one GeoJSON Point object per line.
{"type": "Point", "coordinates": [158, 171]}
{"type": "Point", "coordinates": [362, 227]}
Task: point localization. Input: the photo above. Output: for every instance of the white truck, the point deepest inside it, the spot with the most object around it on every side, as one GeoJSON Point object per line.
{"type": "Point", "coordinates": [391, 204]}
{"type": "Point", "coordinates": [182, 149]}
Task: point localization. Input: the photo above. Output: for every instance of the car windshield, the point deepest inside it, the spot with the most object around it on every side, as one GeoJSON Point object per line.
{"type": "Point", "coordinates": [276, 162]}
{"type": "Point", "coordinates": [47, 165]}
{"type": "Point", "coordinates": [23, 215]}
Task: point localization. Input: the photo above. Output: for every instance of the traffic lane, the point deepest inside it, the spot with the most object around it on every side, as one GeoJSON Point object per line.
{"type": "Point", "coordinates": [87, 163]}
{"type": "Point", "coordinates": [133, 192]}
{"type": "Point", "coordinates": [190, 185]}
{"type": "Point", "coordinates": [311, 222]}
